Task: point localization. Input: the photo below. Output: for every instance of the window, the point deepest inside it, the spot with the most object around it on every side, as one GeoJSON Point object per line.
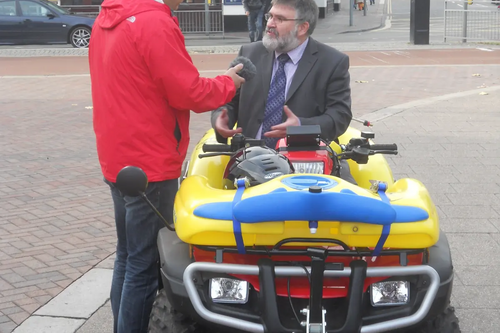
{"type": "Point", "coordinates": [33, 9]}
{"type": "Point", "coordinates": [8, 8]}
{"type": "Point", "coordinates": [55, 7]}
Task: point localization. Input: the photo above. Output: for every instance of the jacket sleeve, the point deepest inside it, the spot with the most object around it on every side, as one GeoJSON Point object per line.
{"type": "Point", "coordinates": [245, 5]}
{"type": "Point", "coordinates": [232, 111]}
{"type": "Point", "coordinates": [337, 116]}
{"type": "Point", "coordinates": [173, 71]}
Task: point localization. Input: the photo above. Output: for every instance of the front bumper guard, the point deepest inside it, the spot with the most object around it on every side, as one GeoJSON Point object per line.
{"type": "Point", "coordinates": [267, 272]}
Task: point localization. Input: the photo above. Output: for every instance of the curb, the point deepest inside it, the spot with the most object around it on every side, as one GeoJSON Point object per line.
{"type": "Point", "coordinates": [68, 311]}
{"type": "Point", "coordinates": [234, 49]}
{"type": "Point", "coordinates": [383, 19]}
{"type": "Point", "coordinates": [382, 25]}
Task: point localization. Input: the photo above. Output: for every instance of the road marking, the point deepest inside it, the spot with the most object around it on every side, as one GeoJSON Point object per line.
{"type": "Point", "coordinates": [403, 54]}
{"type": "Point", "coordinates": [378, 115]}
{"type": "Point", "coordinates": [221, 71]}
{"type": "Point", "coordinates": [379, 59]}
{"type": "Point", "coordinates": [209, 71]}
{"type": "Point", "coordinates": [41, 76]}
{"type": "Point", "coordinates": [482, 49]}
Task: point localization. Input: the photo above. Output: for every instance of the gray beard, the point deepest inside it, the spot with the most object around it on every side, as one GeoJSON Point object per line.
{"type": "Point", "coordinates": [281, 44]}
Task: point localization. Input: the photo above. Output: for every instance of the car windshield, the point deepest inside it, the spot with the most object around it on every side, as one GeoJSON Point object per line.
{"type": "Point", "coordinates": [56, 8]}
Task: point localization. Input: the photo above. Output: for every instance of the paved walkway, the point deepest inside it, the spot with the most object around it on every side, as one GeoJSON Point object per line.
{"type": "Point", "coordinates": [56, 226]}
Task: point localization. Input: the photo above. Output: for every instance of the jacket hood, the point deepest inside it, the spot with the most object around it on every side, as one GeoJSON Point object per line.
{"type": "Point", "coordinates": [113, 12]}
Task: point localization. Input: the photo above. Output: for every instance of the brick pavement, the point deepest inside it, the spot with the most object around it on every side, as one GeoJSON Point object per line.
{"type": "Point", "coordinates": [455, 152]}
{"type": "Point", "coordinates": [55, 213]}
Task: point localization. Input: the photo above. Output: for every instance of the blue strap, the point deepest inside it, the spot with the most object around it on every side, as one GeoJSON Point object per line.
{"type": "Point", "coordinates": [386, 229]}
{"type": "Point", "coordinates": [236, 224]}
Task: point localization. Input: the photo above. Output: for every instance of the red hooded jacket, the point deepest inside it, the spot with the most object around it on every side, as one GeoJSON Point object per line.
{"type": "Point", "coordinates": [144, 85]}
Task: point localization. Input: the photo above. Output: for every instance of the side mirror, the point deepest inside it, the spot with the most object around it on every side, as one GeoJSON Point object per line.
{"type": "Point", "coordinates": [50, 16]}
{"type": "Point", "coordinates": [132, 181]}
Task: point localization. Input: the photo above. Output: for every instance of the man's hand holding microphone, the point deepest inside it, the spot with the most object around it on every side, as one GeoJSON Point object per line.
{"type": "Point", "coordinates": [241, 70]}
{"type": "Point", "coordinates": [233, 74]}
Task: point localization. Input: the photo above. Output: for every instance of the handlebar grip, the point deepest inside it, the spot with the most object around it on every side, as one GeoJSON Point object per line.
{"type": "Point", "coordinates": [220, 148]}
{"type": "Point", "coordinates": [383, 146]}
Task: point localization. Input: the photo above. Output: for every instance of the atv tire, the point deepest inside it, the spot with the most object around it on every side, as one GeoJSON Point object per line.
{"type": "Point", "coordinates": [446, 322]}
{"type": "Point", "coordinates": [164, 319]}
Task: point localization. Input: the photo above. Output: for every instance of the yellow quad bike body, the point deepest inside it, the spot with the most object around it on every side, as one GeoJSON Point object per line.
{"type": "Point", "coordinates": [303, 252]}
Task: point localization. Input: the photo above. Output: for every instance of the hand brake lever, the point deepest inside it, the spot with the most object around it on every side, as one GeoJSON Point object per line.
{"type": "Point", "coordinates": [214, 154]}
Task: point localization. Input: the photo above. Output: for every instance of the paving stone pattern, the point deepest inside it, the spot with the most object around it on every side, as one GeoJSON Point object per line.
{"type": "Point", "coordinates": [55, 212]}
{"type": "Point", "coordinates": [453, 148]}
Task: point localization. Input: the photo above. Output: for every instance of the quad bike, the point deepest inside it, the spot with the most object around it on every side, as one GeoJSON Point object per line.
{"type": "Point", "coordinates": [276, 241]}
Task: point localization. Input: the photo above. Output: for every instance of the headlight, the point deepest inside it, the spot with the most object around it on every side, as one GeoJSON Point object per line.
{"type": "Point", "coordinates": [390, 293]}
{"type": "Point", "coordinates": [309, 167]}
{"type": "Point", "coordinates": [223, 290]}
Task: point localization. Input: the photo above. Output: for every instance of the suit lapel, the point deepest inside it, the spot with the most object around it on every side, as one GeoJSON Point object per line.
{"type": "Point", "coordinates": [267, 61]}
{"type": "Point", "coordinates": [306, 63]}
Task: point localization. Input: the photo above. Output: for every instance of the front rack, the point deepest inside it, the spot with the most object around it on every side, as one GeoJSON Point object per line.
{"type": "Point", "coordinates": [267, 271]}
{"type": "Point", "coordinates": [276, 250]}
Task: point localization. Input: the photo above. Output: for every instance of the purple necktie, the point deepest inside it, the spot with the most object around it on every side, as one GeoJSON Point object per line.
{"type": "Point", "coordinates": [275, 101]}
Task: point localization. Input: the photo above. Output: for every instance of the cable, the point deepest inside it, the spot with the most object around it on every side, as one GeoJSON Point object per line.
{"type": "Point", "coordinates": [291, 304]}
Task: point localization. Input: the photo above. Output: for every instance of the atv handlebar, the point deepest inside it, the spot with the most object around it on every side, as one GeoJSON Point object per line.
{"type": "Point", "coordinates": [238, 141]}
{"type": "Point", "coordinates": [385, 147]}
{"type": "Point", "coordinates": [358, 149]}
{"type": "Point", "coordinates": [220, 148]}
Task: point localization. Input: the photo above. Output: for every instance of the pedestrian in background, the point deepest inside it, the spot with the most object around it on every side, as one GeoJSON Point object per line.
{"type": "Point", "coordinates": [253, 11]}
{"type": "Point", "coordinates": [266, 5]}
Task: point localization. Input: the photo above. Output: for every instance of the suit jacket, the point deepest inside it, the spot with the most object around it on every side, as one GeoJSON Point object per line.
{"type": "Point", "coordinates": [319, 93]}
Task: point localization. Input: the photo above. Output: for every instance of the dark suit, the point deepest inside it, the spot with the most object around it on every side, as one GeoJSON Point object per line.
{"type": "Point", "coordinates": [319, 93]}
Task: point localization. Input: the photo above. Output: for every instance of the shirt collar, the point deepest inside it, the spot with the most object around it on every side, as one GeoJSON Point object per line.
{"type": "Point", "coordinates": [296, 53]}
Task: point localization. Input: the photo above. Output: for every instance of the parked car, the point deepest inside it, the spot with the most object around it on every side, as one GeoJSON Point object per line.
{"type": "Point", "coordinates": [42, 22]}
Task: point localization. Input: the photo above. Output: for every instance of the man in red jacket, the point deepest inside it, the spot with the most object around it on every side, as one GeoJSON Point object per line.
{"type": "Point", "coordinates": [144, 85]}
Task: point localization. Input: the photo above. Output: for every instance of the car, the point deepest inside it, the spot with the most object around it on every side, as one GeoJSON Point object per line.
{"type": "Point", "coordinates": [42, 22]}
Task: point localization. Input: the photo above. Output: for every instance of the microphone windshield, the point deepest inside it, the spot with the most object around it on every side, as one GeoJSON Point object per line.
{"type": "Point", "coordinates": [248, 71]}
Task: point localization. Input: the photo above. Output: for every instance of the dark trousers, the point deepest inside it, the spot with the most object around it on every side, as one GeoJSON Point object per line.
{"type": "Point", "coordinates": [135, 276]}
{"type": "Point", "coordinates": [255, 24]}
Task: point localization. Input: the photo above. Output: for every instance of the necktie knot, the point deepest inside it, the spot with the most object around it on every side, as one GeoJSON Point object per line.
{"type": "Point", "coordinates": [283, 58]}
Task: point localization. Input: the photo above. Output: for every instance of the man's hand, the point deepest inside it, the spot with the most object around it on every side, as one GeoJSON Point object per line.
{"type": "Point", "coordinates": [221, 125]}
{"type": "Point", "coordinates": [233, 74]}
{"type": "Point", "coordinates": [247, 13]}
{"type": "Point", "coordinates": [279, 131]}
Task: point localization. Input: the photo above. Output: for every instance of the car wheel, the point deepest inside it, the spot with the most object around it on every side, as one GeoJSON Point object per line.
{"type": "Point", "coordinates": [80, 37]}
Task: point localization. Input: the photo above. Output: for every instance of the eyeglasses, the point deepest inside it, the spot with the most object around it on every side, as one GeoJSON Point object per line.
{"type": "Point", "coordinates": [278, 19]}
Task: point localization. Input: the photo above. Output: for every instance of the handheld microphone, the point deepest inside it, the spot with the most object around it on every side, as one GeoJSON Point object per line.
{"type": "Point", "coordinates": [248, 71]}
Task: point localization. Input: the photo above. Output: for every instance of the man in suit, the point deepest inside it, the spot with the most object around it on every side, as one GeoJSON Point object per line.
{"type": "Point", "coordinates": [299, 81]}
